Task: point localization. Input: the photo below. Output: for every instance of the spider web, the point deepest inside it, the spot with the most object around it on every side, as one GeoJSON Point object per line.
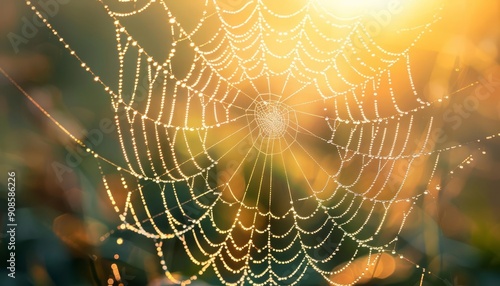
{"type": "Point", "coordinates": [273, 141]}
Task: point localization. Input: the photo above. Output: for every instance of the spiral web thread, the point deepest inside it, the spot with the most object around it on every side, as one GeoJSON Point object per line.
{"type": "Point", "coordinates": [276, 209]}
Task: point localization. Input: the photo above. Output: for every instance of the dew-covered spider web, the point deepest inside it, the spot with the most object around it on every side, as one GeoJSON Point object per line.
{"type": "Point", "coordinates": [274, 140]}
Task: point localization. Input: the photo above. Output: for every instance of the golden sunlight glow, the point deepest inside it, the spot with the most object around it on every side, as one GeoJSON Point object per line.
{"type": "Point", "coordinates": [270, 141]}
{"type": "Point", "coordinates": [348, 7]}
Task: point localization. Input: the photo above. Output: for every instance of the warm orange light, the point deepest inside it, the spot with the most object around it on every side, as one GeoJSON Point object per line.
{"type": "Point", "coordinates": [352, 7]}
